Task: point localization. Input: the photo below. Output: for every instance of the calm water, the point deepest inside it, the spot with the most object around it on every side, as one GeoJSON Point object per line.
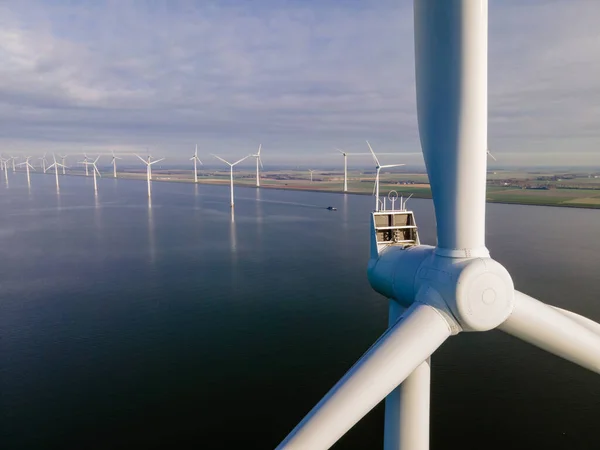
{"type": "Point", "coordinates": [126, 325]}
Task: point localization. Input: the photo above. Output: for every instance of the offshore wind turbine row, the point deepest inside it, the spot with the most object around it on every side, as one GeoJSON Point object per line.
{"type": "Point", "coordinates": [88, 162]}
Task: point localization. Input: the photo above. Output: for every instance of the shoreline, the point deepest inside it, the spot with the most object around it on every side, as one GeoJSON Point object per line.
{"type": "Point", "coordinates": [331, 191]}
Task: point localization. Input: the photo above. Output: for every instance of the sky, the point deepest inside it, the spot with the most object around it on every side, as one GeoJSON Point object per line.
{"type": "Point", "coordinates": [298, 76]}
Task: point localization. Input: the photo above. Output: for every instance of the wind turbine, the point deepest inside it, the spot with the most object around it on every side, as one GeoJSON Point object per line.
{"type": "Point", "coordinates": [345, 169]}
{"type": "Point", "coordinates": [85, 163]}
{"type": "Point", "coordinates": [43, 158]}
{"type": "Point", "coordinates": [231, 165]}
{"type": "Point", "coordinates": [63, 159]}
{"type": "Point", "coordinates": [258, 160]}
{"type": "Point", "coordinates": [453, 287]}
{"type": "Point", "coordinates": [55, 165]}
{"type": "Point", "coordinates": [196, 161]}
{"type": "Point", "coordinates": [378, 167]}
{"type": "Point", "coordinates": [95, 171]}
{"type": "Point", "coordinates": [114, 164]}
{"type": "Point", "coordinates": [4, 164]}
{"type": "Point", "coordinates": [28, 166]}
{"type": "Point", "coordinates": [311, 174]}
{"type": "Point", "coordinates": [13, 158]}
{"type": "Point", "coordinates": [149, 163]}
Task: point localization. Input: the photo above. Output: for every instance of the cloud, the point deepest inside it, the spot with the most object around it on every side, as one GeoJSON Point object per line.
{"type": "Point", "coordinates": [300, 77]}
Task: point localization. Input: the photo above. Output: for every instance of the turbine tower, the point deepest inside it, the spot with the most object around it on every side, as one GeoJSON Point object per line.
{"type": "Point", "coordinates": [63, 159]}
{"type": "Point", "coordinates": [56, 165]}
{"type": "Point", "coordinates": [95, 171]}
{"type": "Point", "coordinates": [438, 292]}
{"type": "Point", "coordinates": [28, 166]}
{"type": "Point", "coordinates": [196, 161]}
{"type": "Point", "coordinates": [378, 168]}
{"type": "Point", "coordinates": [149, 163]}
{"type": "Point", "coordinates": [231, 165]}
{"type": "Point", "coordinates": [345, 169]}
{"type": "Point", "coordinates": [114, 164]}
{"type": "Point", "coordinates": [258, 160]}
{"type": "Point", "coordinates": [311, 174]}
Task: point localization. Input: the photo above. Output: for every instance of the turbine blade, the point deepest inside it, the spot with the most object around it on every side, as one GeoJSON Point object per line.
{"type": "Point", "coordinates": [218, 157]}
{"type": "Point", "coordinates": [491, 156]}
{"type": "Point", "coordinates": [391, 165]}
{"type": "Point", "coordinates": [259, 148]}
{"type": "Point", "coordinates": [581, 320]}
{"type": "Point", "coordinates": [451, 84]}
{"type": "Point", "coordinates": [373, 153]}
{"type": "Point", "coordinates": [97, 171]}
{"type": "Point", "coordinates": [157, 160]}
{"type": "Point", "coordinates": [240, 160]}
{"type": "Point", "coordinates": [393, 357]}
{"type": "Point", "coordinates": [550, 329]}
{"type": "Point", "coordinates": [260, 161]}
{"type": "Point", "coordinates": [142, 159]}
{"type": "Point", "coordinates": [96, 160]}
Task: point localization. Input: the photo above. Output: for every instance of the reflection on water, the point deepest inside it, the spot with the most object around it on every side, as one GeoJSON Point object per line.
{"type": "Point", "coordinates": [151, 236]}
{"type": "Point", "coordinates": [232, 233]}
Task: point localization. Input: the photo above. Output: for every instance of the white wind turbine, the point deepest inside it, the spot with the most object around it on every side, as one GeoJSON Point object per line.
{"type": "Point", "coordinates": [311, 174]}
{"type": "Point", "coordinates": [438, 292]}
{"type": "Point", "coordinates": [114, 164]}
{"type": "Point", "coordinates": [56, 165]}
{"type": "Point", "coordinates": [231, 165]}
{"type": "Point", "coordinates": [345, 168]}
{"type": "Point", "coordinates": [196, 161]}
{"type": "Point", "coordinates": [149, 163]}
{"type": "Point", "coordinates": [43, 159]}
{"type": "Point", "coordinates": [28, 166]}
{"type": "Point", "coordinates": [258, 160]}
{"type": "Point", "coordinates": [95, 171]}
{"type": "Point", "coordinates": [13, 158]}
{"type": "Point", "coordinates": [63, 158]}
{"type": "Point", "coordinates": [378, 167]}
{"type": "Point", "coordinates": [4, 165]}
{"type": "Point", "coordinates": [85, 161]}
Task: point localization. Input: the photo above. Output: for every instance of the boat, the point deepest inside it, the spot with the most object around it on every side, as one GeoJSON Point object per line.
{"type": "Point", "coordinates": [331, 208]}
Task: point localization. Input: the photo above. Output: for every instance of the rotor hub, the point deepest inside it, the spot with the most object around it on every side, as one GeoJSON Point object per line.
{"type": "Point", "coordinates": [479, 292]}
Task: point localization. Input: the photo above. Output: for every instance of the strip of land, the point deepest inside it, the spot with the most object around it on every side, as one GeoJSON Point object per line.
{"type": "Point", "coordinates": [526, 188]}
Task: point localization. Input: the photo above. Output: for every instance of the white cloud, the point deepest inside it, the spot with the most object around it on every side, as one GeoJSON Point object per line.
{"type": "Point", "coordinates": [302, 76]}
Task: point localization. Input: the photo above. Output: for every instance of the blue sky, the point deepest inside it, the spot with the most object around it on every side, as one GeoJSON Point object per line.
{"type": "Point", "coordinates": [300, 77]}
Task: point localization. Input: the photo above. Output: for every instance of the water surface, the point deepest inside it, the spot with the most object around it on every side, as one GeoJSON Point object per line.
{"type": "Point", "coordinates": [127, 323]}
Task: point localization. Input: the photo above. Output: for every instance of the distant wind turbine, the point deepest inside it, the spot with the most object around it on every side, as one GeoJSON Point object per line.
{"type": "Point", "coordinates": [63, 159]}
{"type": "Point", "coordinates": [345, 169]}
{"type": "Point", "coordinates": [196, 161]}
{"type": "Point", "coordinates": [378, 167]}
{"type": "Point", "coordinates": [149, 163]}
{"type": "Point", "coordinates": [56, 166]}
{"type": "Point", "coordinates": [231, 165]}
{"type": "Point", "coordinates": [28, 166]}
{"type": "Point", "coordinates": [114, 164]}
{"type": "Point", "coordinates": [96, 171]}
{"type": "Point", "coordinates": [85, 161]}
{"type": "Point", "coordinates": [311, 174]}
{"type": "Point", "coordinates": [258, 160]}
{"type": "Point", "coordinates": [13, 158]}
{"type": "Point", "coordinates": [4, 163]}
{"type": "Point", "coordinates": [43, 158]}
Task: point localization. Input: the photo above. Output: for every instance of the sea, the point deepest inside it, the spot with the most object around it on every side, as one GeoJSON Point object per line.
{"type": "Point", "coordinates": [181, 323]}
